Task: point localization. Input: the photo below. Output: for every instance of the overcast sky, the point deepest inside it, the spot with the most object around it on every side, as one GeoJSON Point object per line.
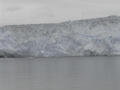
{"type": "Point", "coordinates": [46, 11]}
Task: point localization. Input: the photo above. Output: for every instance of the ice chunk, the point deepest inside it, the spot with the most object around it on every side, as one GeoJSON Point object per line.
{"type": "Point", "coordinates": [75, 38]}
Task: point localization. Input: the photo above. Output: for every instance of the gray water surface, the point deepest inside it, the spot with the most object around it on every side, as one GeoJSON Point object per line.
{"type": "Point", "coordinates": [68, 73]}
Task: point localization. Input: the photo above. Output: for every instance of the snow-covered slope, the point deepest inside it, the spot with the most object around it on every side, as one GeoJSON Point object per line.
{"type": "Point", "coordinates": [100, 36]}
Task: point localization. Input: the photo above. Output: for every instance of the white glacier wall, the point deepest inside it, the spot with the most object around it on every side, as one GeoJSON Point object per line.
{"type": "Point", "coordinates": [100, 36]}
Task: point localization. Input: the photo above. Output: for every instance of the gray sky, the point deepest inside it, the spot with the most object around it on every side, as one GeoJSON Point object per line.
{"type": "Point", "coordinates": [46, 11]}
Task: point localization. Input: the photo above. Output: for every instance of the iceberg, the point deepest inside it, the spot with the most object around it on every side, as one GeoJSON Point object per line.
{"type": "Point", "coordinates": [90, 37]}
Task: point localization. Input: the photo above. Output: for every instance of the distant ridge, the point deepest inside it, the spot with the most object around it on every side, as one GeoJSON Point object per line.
{"type": "Point", "coordinates": [112, 17]}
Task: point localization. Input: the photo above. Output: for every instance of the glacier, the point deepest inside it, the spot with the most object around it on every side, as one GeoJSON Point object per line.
{"type": "Point", "coordinates": [89, 37]}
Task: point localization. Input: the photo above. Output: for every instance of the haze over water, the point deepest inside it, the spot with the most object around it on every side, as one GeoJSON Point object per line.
{"type": "Point", "coordinates": [49, 11]}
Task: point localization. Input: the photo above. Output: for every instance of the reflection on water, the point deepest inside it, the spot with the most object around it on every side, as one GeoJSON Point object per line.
{"type": "Point", "coordinates": [70, 73]}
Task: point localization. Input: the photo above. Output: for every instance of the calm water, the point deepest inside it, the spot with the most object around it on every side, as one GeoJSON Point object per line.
{"type": "Point", "coordinates": [69, 73]}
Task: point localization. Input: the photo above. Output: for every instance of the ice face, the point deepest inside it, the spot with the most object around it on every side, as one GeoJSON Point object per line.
{"type": "Point", "coordinates": [74, 38]}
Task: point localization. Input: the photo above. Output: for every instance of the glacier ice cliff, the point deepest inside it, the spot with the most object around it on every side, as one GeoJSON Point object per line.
{"type": "Point", "coordinates": [99, 36]}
